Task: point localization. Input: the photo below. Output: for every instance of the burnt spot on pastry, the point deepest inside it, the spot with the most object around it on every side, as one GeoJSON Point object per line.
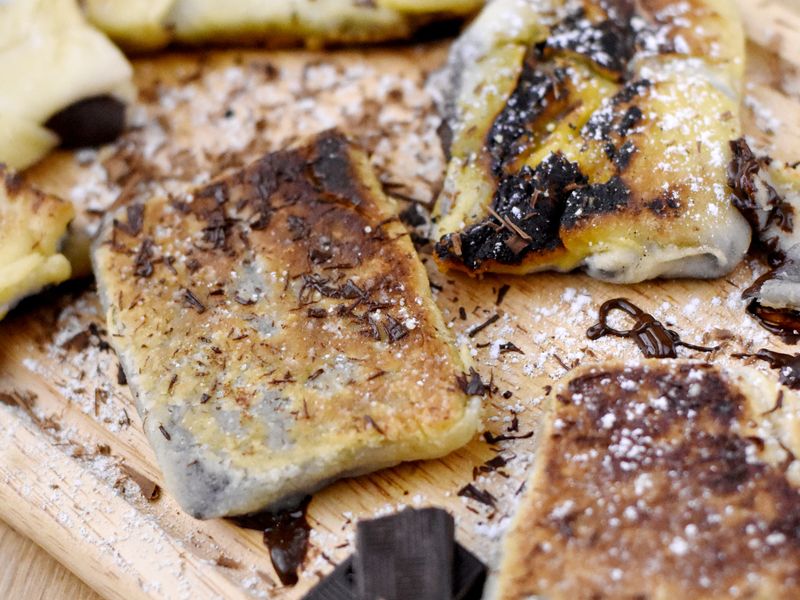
{"type": "Point", "coordinates": [666, 204]}
{"type": "Point", "coordinates": [538, 98]}
{"type": "Point", "coordinates": [746, 183]}
{"type": "Point", "coordinates": [596, 199]}
{"type": "Point", "coordinates": [617, 118]}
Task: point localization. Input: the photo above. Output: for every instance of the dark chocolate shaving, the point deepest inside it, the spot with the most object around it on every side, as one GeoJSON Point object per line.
{"type": "Point", "coordinates": [193, 301]}
{"type": "Point", "coordinates": [501, 294]}
{"type": "Point", "coordinates": [493, 439]}
{"type": "Point", "coordinates": [478, 328]}
{"type": "Point", "coordinates": [482, 496]}
{"type": "Point", "coordinates": [471, 383]}
{"type": "Point", "coordinates": [143, 262]}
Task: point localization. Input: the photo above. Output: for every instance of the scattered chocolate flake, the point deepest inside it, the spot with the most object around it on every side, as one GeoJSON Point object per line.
{"type": "Point", "coordinates": [482, 496]}
{"type": "Point", "coordinates": [501, 294]}
{"type": "Point", "coordinates": [143, 262]}
{"type": "Point", "coordinates": [507, 394]}
{"type": "Point", "coordinates": [509, 347]}
{"type": "Point", "coordinates": [172, 383]}
{"type": "Point", "coordinates": [243, 301]}
{"type": "Point", "coordinates": [121, 378]}
{"type": "Point", "coordinates": [193, 301]}
{"type": "Point", "coordinates": [491, 465]}
{"type": "Point", "coordinates": [164, 432]}
{"type": "Point", "coordinates": [394, 329]}
{"type": "Point", "coordinates": [478, 328]}
{"type": "Point", "coordinates": [315, 374]}
{"type": "Point", "coordinates": [317, 313]}
{"type": "Point", "coordinates": [133, 226]}
{"type": "Point", "coordinates": [227, 563]}
{"type": "Point", "coordinates": [493, 439]}
{"type": "Point", "coordinates": [471, 383]}
{"type": "Point", "coordinates": [650, 335]}
{"type": "Point", "coordinates": [462, 313]}
{"type": "Point", "coordinates": [376, 374]}
{"type": "Point", "coordinates": [150, 490]}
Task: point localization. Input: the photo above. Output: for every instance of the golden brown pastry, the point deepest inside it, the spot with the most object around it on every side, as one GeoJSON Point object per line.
{"type": "Point", "coordinates": [278, 331]}
{"type": "Point", "coordinates": [665, 479]}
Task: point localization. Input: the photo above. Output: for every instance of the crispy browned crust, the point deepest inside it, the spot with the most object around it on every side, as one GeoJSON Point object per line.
{"type": "Point", "coordinates": [613, 135]}
{"type": "Point", "coordinates": [278, 329]}
{"type": "Point", "coordinates": [664, 480]}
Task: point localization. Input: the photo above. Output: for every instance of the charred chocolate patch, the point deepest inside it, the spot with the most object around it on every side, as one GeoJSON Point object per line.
{"type": "Point", "coordinates": [334, 172]}
{"type": "Point", "coordinates": [746, 183]}
{"type": "Point", "coordinates": [787, 364]}
{"type": "Point", "coordinates": [528, 208]}
{"type": "Point", "coordinates": [89, 122]}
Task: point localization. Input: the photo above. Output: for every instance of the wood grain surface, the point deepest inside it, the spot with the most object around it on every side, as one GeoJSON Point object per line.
{"type": "Point", "coordinates": [72, 453]}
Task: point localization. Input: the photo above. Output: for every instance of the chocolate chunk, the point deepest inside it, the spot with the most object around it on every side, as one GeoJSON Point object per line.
{"type": "Point", "coordinates": [339, 585]}
{"type": "Point", "coordinates": [405, 556]}
{"type": "Point", "coordinates": [468, 573]}
{"type": "Point", "coordinates": [89, 122]}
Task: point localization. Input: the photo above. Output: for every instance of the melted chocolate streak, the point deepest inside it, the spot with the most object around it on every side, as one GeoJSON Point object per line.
{"type": "Point", "coordinates": [286, 535]}
{"type": "Point", "coordinates": [787, 364]}
{"type": "Point", "coordinates": [650, 335]}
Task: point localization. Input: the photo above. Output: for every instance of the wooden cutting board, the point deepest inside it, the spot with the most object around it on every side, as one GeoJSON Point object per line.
{"type": "Point", "coordinates": [75, 467]}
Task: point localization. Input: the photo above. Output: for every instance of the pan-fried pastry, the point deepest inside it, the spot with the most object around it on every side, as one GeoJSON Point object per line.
{"type": "Point", "coordinates": [32, 227]}
{"type": "Point", "coordinates": [593, 134]}
{"type": "Point", "coordinates": [278, 331]}
{"type": "Point", "coordinates": [665, 479]}
{"type": "Point", "coordinates": [149, 24]}
{"type": "Point", "coordinates": [55, 61]}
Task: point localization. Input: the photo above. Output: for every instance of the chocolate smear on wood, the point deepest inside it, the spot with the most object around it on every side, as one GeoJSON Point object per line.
{"type": "Point", "coordinates": [482, 496]}
{"type": "Point", "coordinates": [787, 364]}
{"type": "Point", "coordinates": [651, 336]}
{"type": "Point", "coordinates": [286, 536]}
